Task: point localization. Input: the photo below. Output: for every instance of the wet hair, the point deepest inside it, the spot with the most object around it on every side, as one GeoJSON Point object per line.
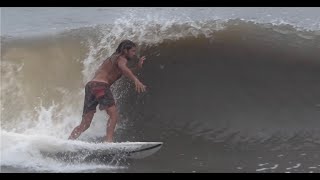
{"type": "Point", "coordinates": [126, 44]}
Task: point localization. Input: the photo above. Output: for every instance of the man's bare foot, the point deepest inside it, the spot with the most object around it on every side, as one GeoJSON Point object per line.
{"type": "Point", "coordinates": [108, 140]}
{"type": "Point", "coordinates": [71, 137]}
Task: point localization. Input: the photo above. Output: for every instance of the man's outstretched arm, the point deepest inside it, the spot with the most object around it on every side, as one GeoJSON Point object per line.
{"type": "Point", "coordinates": [122, 63]}
{"type": "Point", "coordinates": [139, 65]}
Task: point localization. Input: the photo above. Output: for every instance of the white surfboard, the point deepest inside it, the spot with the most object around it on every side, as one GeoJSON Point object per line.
{"type": "Point", "coordinates": [84, 150]}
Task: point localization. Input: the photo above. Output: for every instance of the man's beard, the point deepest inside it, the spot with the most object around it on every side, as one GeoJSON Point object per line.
{"type": "Point", "coordinates": [128, 58]}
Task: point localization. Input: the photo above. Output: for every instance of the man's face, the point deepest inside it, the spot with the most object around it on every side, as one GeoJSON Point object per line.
{"type": "Point", "coordinates": [131, 52]}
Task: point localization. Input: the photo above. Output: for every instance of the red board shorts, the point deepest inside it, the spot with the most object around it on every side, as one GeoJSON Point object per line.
{"type": "Point", "coordinates": [97, 93]}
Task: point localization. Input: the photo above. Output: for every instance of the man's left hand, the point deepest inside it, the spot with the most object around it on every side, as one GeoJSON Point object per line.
{"type": "Point", "coordinates": [141, 60]}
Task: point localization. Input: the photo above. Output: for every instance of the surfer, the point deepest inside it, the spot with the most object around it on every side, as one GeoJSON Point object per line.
{"type": "Point", "coordinates": [97, 91]}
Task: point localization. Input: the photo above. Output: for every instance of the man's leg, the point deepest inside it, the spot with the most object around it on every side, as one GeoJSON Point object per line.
{"type": "Point", "coordinates": [84, 125]}
{"type": "Point", "coordinates": [113, 118]}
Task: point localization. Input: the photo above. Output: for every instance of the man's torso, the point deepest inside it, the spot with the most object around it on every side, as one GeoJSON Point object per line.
{"type": "Point", "coordinates": [108, 72]}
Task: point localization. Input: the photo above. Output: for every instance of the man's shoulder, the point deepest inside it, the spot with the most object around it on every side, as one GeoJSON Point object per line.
{"type": "Point", "coordinates": [121, 58]}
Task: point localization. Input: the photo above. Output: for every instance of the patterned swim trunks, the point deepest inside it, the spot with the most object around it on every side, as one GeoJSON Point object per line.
{"type": "Point", "coordinates": [97, 93]}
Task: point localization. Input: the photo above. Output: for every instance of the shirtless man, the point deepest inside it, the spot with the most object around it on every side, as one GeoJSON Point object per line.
{"type": "Point", "coordinates": [97, 91]}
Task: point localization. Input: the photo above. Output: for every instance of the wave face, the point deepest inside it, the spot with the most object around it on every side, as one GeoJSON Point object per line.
{"type": "Point", "coordinates": [212, 86]}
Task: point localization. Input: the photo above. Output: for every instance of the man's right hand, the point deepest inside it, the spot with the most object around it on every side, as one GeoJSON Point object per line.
{"type": "Point", "coordinates": [139, 86]}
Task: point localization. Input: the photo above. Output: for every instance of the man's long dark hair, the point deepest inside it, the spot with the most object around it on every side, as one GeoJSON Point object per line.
{"type": "Point", "coordinates": [125, 44]}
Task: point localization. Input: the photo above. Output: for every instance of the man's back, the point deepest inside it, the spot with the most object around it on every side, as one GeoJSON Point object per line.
{"type": "Point", "coordinates": [108, 71]}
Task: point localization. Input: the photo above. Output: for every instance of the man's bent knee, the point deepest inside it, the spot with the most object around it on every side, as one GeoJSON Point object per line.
{"type": "Point", "coordinates": [112, 110]}
{"type": "Point", "coordinates": [88, 114]}
{"type": "Point", "coordinates": [87, 119]}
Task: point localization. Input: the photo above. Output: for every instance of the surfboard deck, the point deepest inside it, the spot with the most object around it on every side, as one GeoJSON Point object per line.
{"type": "Point", "coordinates": [76, 150]}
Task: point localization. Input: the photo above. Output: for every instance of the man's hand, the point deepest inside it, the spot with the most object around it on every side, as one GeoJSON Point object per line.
{"type": "Point", "coordinates": [122, 64]}
{"type": "Point", "coordinates": [139, 86]}
{"type": "Point", "coordinates": [141, 60]}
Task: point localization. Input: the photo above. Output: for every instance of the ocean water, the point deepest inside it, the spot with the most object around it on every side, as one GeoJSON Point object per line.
{"type": "Point", "coordinates": [229, 89]}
